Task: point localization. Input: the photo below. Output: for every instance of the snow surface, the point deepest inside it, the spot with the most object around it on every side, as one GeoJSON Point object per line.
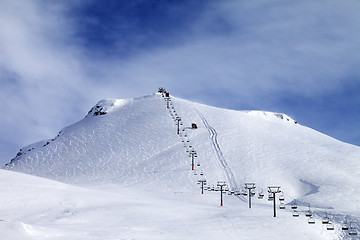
{"type": "Point", "coordinates": [134, 181]}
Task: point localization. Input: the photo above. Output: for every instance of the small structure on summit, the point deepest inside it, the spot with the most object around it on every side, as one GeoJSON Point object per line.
{"type": "Point", "coordinates": [161, 90]}
{"type": "Point", "coordinates": [193, 126]}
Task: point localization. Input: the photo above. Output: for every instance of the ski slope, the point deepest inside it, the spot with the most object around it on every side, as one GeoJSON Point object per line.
{"type": "Point", "coordinates": [126, 154]}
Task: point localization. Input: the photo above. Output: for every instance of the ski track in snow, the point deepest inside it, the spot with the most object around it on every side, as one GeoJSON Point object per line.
{"type": "Point", "coordinates": [213, 136]}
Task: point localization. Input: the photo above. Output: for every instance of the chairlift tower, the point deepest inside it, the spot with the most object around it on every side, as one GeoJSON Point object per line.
{"type": "Point", "coordinates": [202, 182]}
{"type": "Point", "coordinates": [161, 90]}
{"type": "Point", "coordinates": [193, 154]}
{"type": "Point", "coordinates": [250, 186]}
{"type": "Point", "coordinates": [167, 99]}
{"type": "Point", "coordinates": [273, 191]}
{"type": "Point", "coordinates": [221, 184]}
{"type": "Point", "coordinates": [178, 119]}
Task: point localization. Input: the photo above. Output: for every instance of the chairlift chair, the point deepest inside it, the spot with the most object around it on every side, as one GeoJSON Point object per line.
{"type": "Point", "coordinates": [311, 220]}
{"type": "Point", "coordinates": [330, 226]}
{"type": "Point", "coordinates": [261, 196]}
{"type": "Point", "coordinates": [325, 220]}
{"type": "Point", "coordinates": [270, 197]}
{"type": "Point", "coordinates": [294, 206]}
{"type": "Point", "coordinates": [344, 227]}
{"type": "Point", "coordinates": [282, 197]}
{"type": "Point", "coordinates": [282, 206]}
{"type": "Point", "coordinates": [345, 224]}
{"type": "Point", "coordinates": [244, 192]}
{"type": "Point", "coordinates": [308, 212]}
{"type": "Point", "coordinates": [198, 164]}
{"type": "Point", "coordinates": [295, 213]}
{"type": "Point", "coordinates": [352, 232]}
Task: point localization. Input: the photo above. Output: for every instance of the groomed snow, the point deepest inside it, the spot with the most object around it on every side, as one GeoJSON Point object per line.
{"type": "Point", "coordinates": [134, 181]}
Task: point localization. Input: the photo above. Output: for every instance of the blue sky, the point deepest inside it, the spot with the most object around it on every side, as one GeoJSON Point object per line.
{"type": "Point", "coordinates": [59, 58]}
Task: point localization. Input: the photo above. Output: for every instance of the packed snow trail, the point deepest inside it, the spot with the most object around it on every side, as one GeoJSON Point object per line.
{"type": "Point", "coordinates": [213, 136]}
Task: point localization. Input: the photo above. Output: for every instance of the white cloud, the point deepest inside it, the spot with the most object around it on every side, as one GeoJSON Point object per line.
{"type": "Point", "coordinates": [249, 49]}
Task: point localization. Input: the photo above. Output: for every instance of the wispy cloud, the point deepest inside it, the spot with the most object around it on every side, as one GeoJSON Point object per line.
{"type": "Point", "coordinates": [53, 69]}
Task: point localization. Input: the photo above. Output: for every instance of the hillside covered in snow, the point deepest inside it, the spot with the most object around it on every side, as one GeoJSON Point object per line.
{"type": "Point", "coordinates": [131, 163]}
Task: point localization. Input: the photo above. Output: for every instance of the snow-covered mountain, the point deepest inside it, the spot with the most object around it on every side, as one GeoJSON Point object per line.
{"type": "Point", "coordinates": [133, 146]}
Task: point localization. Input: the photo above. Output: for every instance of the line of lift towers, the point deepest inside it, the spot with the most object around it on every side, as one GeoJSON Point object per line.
{"type": "Point", "coordinates": [248, 189]}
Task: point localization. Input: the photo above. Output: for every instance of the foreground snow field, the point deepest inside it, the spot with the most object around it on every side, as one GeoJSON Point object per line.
{"type": "Point", "coordinates": [123, 172]}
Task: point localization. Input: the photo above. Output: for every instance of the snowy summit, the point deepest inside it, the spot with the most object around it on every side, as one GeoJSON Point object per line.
{"type": "Point", "coordinates": [134, 169]}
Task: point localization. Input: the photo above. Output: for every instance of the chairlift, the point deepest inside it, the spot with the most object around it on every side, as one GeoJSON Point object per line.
{"type": "Point", "coordinates": [195, 173]}
{"type": "Point", "coordinates": [308, 213]}
{"type": "Point", "coordinates": [294, 206]}
{"type": "Point", "coordinates": [295, 213]}
{"type": "Point", "coordinates": [352, 232]}
{"type": "Point", "coordinates": [229, 192]}
{"type": "Point", "coordinates": [237, 193]}
{"type": "Point", "coordinates": [330, 226]}
{"type": "Point", "coordinates": [311, 220]}
{"type": "Point", "coordinates": [244, 192]}
{"type": "Point", "coordinates": [325, 219]}
{"type": "Point", "coordinates": [282, 197]}
{"type": "Point", "coordinates": [201, 173]}
{"type": "Point", "coordinates": [282, 206]}
{"type": "Point", "coordinates": [270, 197]}
{"type": "Point", "coordinates": [198, 164]}
{"type": "Point", "coordinates": [345, 227]}
{"type": "Point", "coordinates": [261, 194]}
{"type": "Point", "coordinates": [232, 192]}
